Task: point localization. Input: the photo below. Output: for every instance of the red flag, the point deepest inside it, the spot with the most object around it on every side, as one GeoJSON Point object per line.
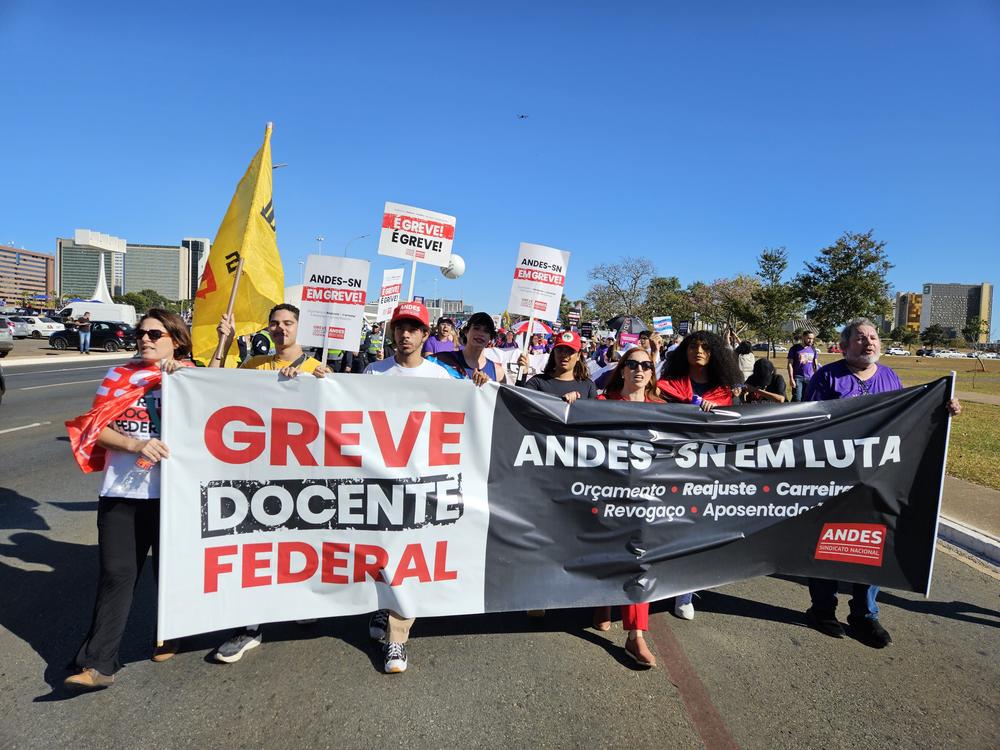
{"type": "Point", "coordinates": [121, 387]}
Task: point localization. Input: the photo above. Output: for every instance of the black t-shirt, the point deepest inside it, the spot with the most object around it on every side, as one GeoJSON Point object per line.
{"type": "Point", "coordinates": [776, 386]}
{"type": "Point", "coordinates": [548, 384]}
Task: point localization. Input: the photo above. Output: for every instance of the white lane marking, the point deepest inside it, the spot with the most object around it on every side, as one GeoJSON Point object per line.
{"type": "Point", "coordinates": [55, 385]}
{"type": "Point", "coordinates": [64, 369]}
{"type": "Point", "coordinates": [23, 427]}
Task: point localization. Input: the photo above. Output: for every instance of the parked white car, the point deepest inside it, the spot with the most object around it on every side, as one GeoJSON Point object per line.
{"type": "Point", "coordinates": [895, 351]}
{"type": "Point", "coordinates": [38, 325]}
{"type": "Point", "coordinates": [18, 328]}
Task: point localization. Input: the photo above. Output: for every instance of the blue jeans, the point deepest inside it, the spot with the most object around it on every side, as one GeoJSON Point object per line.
{"type": "Point", "coordinates": [84, 341]}
{"type": "Point", "coordinates": [681, 599]}
{"type": "Point", "coordinates": [823, 593]}
{"type": "Point", "coordinates": [799, 388]}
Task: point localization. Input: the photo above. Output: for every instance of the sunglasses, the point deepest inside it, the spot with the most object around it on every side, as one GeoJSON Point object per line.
{"type": "Point", "coordinates": [154, 334]}
{"type": "Point", "coordinates": [634, 364]}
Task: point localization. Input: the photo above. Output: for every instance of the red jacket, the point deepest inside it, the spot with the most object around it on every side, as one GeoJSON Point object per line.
{"type": "Point", "coordinates": [679, 390]}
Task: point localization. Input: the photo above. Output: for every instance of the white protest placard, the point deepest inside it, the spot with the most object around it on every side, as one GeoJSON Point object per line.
{"type": "Point", "coordinates": [333, 300]}
{"type": "Point", "coordinates": [416, 234]}
{"type": "Point", "coordinates": [388, 299]}
{"type": "Point", "coordinates": [539, 278]}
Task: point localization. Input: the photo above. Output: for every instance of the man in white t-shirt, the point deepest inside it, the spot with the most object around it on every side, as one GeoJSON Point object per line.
{"type": "Point", "coordinates": [408, 329]}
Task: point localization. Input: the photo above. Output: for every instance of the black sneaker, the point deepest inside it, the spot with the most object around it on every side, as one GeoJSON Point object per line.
{"type": "Point", "coordinates": [378, 624]}
{"type": "Point", "coordinates": [395, 658]}
{"type": "Point", "coordinates": [826, 623]}
{"type": "Point", "coordinates": [869, 631]}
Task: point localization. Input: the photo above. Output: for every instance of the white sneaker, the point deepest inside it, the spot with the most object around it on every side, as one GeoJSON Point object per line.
{"type": "Point", "coordinates": [233, 649]}
{"type": "Point", "coordinates": [684, 611]}
{"type": "Point", "coordinates": [395, 658]}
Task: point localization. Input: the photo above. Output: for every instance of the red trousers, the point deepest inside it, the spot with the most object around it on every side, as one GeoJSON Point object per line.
{"type": "Point", "coordinates": [635, 616]}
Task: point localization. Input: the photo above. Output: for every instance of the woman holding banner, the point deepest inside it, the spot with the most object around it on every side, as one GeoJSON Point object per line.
{"type": "Point", "coordinates": [565, 375]}
{"type": "Point", "coordinates": [632, 380]}
{"type": "Point", "coordinates": [701, 371]}
{"type": "Point", "coordinates": [121, 436]}
{"type": "Point", "coordinates": [470, 361]}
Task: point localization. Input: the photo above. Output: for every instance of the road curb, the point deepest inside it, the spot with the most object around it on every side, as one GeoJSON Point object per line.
{"type": "Point", "coordinates": [63, 359]}
{"type": "Point", "coordinates": [972, 540]}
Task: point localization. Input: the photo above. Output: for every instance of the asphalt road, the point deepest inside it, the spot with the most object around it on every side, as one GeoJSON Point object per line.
{"type": "Point", "coordinates": [744, 673]}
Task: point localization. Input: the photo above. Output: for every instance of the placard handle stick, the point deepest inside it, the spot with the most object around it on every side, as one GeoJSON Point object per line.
{"type": "Point", "coordinates": [413, 277]}
{"type": "Point", "coordinates": [326, 336]}
{"type": "Point", "coordinates": [226, 343]}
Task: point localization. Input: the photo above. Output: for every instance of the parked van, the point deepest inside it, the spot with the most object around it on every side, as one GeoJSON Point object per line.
{"type": "Point", "coordinates": [99, 311]}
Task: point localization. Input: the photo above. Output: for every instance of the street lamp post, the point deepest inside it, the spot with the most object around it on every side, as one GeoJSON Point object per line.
{"type": "Point", "coordinates": [302, 271]}
{"type": "Point", "coordinates": [320, 240]}
{"type": "Point", "coordinates": [359, 237]}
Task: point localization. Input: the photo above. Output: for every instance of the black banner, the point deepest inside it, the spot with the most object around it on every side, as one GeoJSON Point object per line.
{"type": "Point", "coordinates": [610, 502]}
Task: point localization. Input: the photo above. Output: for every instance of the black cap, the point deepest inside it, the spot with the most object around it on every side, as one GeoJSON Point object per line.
{"type": "Point", "coordinates": [482, 319]}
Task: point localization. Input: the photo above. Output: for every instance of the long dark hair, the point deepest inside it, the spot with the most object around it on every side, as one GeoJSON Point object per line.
{"type": "Point", "coordinates": [580, 371]}
{"type": "Point", "coordinates": [721, 369]}
{"type": "Point", "coordinates": [175, 326]}
{"type": "Point", "coordinates": [617, 381]}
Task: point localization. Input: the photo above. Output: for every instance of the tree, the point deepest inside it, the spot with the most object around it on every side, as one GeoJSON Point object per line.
{"type": "Point", "coordinates": [619, 288]}
{"type": "Point", "coordinates": [774, 301]}
{"type": "Point", "coordinates": [973, 329]}
{"type": "Point", "coordinates": [933, 336]}
{"type": "Point", "coordinates": [847, 280]}
{"type": "Point", "coordinates": [903, 335]}
{"type": "Point", "coordinates": [665, 296]}
{"type": "Point", "coordinates": [566, 304]}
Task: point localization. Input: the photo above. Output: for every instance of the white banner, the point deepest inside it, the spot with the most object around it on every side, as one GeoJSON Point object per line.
{"type": "Point", "coordinates": [539, 278]}
{"type": "Point", "coordinates": [416, 234]}
{"type": "Point", "coordinates": [392, 288]}
{"type": "Point", "coordinates": [295, 511]}
{"type": "Point", "coordinates": [333, 300]}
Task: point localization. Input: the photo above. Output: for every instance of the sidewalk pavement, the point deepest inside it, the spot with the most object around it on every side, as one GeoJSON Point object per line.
{"type": "Point", "coordinates": [979, 398]}
{"type": "Point", "coordinates": [61, 358]}
{"type": "Point", "coordinates": [970, 518]}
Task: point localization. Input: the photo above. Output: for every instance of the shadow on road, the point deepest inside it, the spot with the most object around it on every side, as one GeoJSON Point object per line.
{"type": "Point", "coordinates": [19, 512]}
{"type": "Point", "coordinates": [952, 610]}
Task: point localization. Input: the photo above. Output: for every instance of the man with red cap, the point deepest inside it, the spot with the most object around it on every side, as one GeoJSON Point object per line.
{"type": "Point", "coordinates": [408, 329]}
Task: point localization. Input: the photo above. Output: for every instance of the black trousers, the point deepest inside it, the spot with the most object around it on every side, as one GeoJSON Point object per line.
{"type": "Point", "coordinates": [126, 531]}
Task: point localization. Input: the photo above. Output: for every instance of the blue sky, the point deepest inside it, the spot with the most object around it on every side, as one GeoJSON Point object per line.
{"type": "Point", "coordinates": [692, 133]}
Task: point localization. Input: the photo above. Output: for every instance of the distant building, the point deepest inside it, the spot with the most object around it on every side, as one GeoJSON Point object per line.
{"type": "Point", "coordinates": [77, 267]}
{"type": "Point", "coordinates": [448, 306]}
{"type": "Point", "coordinates": [907, 312]}
{"type": "Point", "coordinates": [25, 273]}
{"type": "Point", "coordinates": [198, 247]}
{"type": "Point", "coordinates": [952, 306]}
{"type": "Point", "coordinates": [163, 268]}
{"type": "Point", "coordinates": [171, 270]}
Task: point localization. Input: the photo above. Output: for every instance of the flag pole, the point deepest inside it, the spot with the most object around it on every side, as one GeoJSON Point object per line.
{"type": "Point", "coordinates": [229, 311]}
{"type": "Point", "coordinates": [413, 277]}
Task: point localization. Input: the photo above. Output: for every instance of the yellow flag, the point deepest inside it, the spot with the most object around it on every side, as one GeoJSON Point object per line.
{"type": "Point", "coordinates": [247, 231]}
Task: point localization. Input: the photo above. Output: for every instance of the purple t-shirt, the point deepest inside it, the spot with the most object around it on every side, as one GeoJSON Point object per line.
{"type": "Point", "coordinates": [433, 345]}
{"type": "Point", "coordinates": [836, 380]}
{"type": "Point", "coordinates": [803, 360]}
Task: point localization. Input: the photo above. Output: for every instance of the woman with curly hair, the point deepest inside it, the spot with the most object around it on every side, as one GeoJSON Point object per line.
{"type": "Point", "coordinates": [701, 371]}
{"type": "Point", "coordinates": [633, 379]}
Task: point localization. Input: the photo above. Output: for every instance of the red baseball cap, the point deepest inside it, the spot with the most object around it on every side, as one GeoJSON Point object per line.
{"type": "Point", "coordinates": [411, 311]}
{"type": "Point", "coordinates": [567, 338]}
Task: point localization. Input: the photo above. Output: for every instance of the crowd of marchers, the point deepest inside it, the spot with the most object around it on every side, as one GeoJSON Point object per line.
{"type": "Point", "coordinates": [702, 368]}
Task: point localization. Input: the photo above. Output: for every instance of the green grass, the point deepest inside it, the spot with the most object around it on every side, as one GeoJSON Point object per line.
{"type": "Point", "coordinates": [975, 444]}
{"type": "Point", "coordinates": [917, 370]}
{"type": "Point", "coordinates": [974, 452]}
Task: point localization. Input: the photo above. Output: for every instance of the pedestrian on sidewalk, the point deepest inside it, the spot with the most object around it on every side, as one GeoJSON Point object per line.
{"type": "Point", "coordinates": [83, 329]}
{"type": "Point", "coordinates": [857, 374]}
{"type": "Point", "coordinates": [121, 435]}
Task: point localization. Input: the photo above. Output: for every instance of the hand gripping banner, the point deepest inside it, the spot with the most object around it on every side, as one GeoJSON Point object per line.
{"type": "Point", "coordinates": [293, 499]}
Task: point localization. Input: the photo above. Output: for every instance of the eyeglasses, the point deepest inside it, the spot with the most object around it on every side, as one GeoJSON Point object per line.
{"type": "Point", "coordinates": [635, 364]}
{"type": "Point", "coordinates": [154, 334]}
